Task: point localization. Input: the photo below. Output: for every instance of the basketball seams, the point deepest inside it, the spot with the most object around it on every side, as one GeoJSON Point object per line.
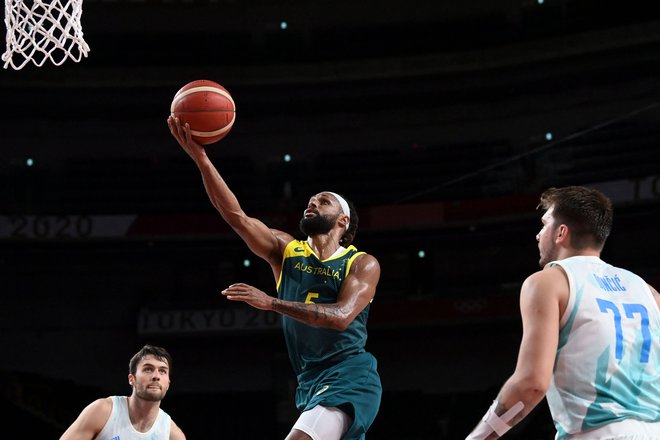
{"type": "Point", "coordinates": [212, 133]}
{"type": "Point", "coordinates": [207, 107]}
{"type": "Point", "coordinates": [182, 94]}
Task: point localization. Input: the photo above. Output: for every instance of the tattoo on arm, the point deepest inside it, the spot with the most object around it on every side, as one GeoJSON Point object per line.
{"type": "Point", "coordinates": [308, 313]}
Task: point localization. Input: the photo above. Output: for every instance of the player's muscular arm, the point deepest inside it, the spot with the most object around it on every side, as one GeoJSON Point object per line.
{"type": "Point", "coordinates": [357, 290]}
{"type": "Point", "coordinates": [335, 316]}
{"type": "Point", "coordinates": [322, 315]}
{"type": "Point", "coordinates": [540, 310]}
{"type": "Point", "coordinates": [259, 238]}
{"type": "Point", "coordinates": [541, 304]}
{"type": "Point", "coordinates": [262, 241]}
{"type": "Point", "coordinates": [90, 421]}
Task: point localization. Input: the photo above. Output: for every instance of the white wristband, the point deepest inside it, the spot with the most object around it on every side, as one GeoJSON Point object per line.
{"type": "Point", "coordinates": [491, 422]}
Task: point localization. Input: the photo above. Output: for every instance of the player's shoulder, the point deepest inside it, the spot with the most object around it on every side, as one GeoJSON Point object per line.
{"type": "Point", "coordinates": [656, 294]}
{"type": "Point", "coordinates": [96, 414]}
{"type": "Point", "coordinates": [175, 432]}
{"type": "Point", "coordinates": [550, 278]}
{"type": "Point", "coordinates": [104, 404]}
{"type": "Point", "coordinates": [365, 261]}
{"type": "Point", "coordinates": [100, 409]}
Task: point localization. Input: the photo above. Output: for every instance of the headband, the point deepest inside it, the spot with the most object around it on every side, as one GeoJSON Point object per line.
{"type": "Point", "coordinates": [344, 206]}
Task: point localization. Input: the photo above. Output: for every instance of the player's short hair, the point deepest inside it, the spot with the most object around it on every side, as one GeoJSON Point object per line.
{"type": "Point", "coordinates": [158, 352]}
{"type": "Point", "coordinates": [587, 213]}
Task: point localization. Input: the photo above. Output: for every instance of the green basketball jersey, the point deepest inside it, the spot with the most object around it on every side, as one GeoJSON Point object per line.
{"type": "Point", "coordinates": [306, 278]}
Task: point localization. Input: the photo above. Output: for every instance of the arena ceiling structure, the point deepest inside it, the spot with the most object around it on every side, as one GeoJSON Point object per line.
{"type": "Point", "coordinates": [341, 76]}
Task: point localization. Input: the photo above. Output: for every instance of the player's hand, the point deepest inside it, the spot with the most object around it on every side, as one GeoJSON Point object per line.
{"type": "Point", "coordinates": [250, 295]}
{"type": "Point", "coordinates": [182, 135]}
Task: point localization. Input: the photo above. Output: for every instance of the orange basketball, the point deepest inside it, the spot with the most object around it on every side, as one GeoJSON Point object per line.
{"type": "Point", "coordinates": [207, 107]}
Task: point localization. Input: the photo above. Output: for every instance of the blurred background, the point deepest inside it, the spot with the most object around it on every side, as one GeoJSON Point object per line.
{"type": "Point", "coordinates": [442, 121]}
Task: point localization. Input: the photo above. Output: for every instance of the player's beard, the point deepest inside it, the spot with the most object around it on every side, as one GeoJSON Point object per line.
{"type": "Point", "coordinates": [548, 250]}
{"type": "Point", "coordinates": [317, 224]}
{"type": "Point", "coordinates": [548, 256]}
{"type": "Point", "coordinates": [150, 395]}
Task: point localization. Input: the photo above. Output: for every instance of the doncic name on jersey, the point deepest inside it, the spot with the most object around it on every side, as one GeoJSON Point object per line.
{"type": "Point", "coordinates": [610, 284]}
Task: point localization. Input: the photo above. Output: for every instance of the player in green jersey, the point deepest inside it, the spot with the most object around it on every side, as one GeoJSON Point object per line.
{"type": "Point", "coordinates": [324, 290]}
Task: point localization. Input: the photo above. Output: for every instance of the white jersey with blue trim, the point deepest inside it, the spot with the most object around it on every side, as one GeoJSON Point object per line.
{"type": "Point", "coordinates": [607, 367]}
{"type": "Point", "coordinates": [119, 427]}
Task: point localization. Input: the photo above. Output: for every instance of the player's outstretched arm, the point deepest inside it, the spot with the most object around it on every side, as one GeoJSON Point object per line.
{"type": "Point", "coordinates": [264, 242]}
{"type": "Point", "coordinates": [90, 421]}
{"type": "Point", "coordinates": [357, 290]}
{"type": "Point", "coordinates": [540, 309]}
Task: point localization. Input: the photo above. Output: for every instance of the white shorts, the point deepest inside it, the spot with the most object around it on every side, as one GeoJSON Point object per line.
{"type": "Point", "coordinates": [627, 429]}
{"type": "Point", "coordinates": [323, 423]}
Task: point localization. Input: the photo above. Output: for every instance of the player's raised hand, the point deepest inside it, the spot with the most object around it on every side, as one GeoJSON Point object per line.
{"type": "Point", "coordinates": [182, 135]}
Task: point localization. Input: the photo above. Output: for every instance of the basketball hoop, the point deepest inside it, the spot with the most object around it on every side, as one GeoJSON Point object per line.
{"type": "Point", "coordinates": [40, 30]}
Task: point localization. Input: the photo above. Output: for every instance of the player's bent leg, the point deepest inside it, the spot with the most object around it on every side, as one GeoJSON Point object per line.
{"type": "Point", "coordinates": [320, 423]}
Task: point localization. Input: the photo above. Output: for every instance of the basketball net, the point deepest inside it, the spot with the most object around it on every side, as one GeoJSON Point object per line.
{"type": "Point", "coordinates": [43, 30]}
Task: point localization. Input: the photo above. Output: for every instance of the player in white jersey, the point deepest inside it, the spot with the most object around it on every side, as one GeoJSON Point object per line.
{"type": "Point", "coordinates": [138, 416]}
{"type": "Point", "coordinates": [591, 333]}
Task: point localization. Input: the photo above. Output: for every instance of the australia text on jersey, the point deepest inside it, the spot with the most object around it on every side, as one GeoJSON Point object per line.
{"type": "Point", "coordinates": [325, 271]}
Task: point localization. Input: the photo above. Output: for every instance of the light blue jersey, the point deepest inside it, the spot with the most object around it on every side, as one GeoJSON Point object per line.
{"type": "Point", "coordinates": [607, 367]}
{"type": "Point", "coordinates": [119, 426]}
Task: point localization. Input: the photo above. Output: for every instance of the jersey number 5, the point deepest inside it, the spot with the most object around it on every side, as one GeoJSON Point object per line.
{"type": "Point", "coordinates": [310, 297]}
{"type": "Point", "coordinates": [630, 310]}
